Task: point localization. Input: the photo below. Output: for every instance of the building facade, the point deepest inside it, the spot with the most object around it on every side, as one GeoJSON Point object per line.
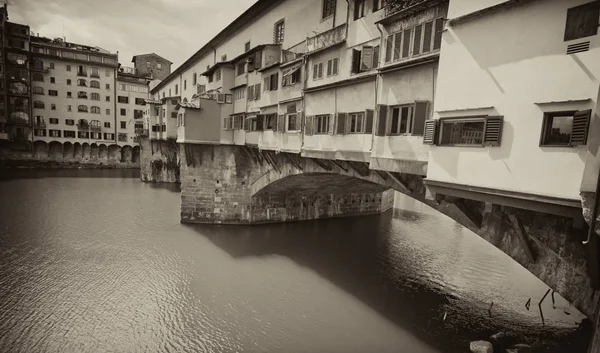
{"type": "Point", "coordinates": [131, 95]}
{"type": "Point", "coordinates": [73, 92]}
{"type": "Point", "coordinates": [514, 119]}
{"type": "Point", "coordinates": [15, 119]}
{"type": "Point", "coordinates": [151, 66]}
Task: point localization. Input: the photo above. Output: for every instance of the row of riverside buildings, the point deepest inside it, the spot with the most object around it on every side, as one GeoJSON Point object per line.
{"type": "Point", "coordinates": [487, 98]}
{"type": "Point", "coordinates": [56, 91]}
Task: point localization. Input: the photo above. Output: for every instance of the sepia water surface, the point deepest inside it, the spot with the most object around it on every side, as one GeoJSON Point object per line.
{"type": "Point", "coordinates": [96, 261]}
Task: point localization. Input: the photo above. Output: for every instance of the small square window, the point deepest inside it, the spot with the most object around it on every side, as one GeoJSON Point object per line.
{"type": "Point", "coordinates": [123, 125]}
{"type": "Point", "coordinates": [52, 65]}
{"type": "Point", "coordinates": [123, 112]}
{"type": "Point", "coordinates": [108, 86]}
{"type": "Point", "coordinates": [108, 98]}
{"type": "Point", "coordinates": [107, 111]}
{"type": "Point", "coordinates": [69, 81]}
{"type": "Point", "coordinates": [68, 67]}
{"type": "Point", "coordinates": [567, 128]}
{"type": "Point", "coordinates": [52, 80]}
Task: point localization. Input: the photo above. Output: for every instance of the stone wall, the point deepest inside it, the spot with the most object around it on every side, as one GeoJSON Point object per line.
{"type": "Point", "coordinates": [217, 187]}
{"type": "Point", "coordinates": [72, 155]}
{"type": "Point", "coordinates": [159, 161]}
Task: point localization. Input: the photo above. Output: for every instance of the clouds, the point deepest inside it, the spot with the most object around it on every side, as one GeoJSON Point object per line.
{"type": "Point", "coordinates": [174, 29]}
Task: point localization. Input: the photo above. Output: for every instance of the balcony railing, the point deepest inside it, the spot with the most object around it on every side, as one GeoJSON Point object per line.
{"type": "Point", "coordinates": [82, 73]}
{"type": "Point", "coordinates": [293, 53]}
{"type": "Point", "coordinates": [96, 75]}
{"type": "Point", "coordinates": [82, 126]}
{"type": "Point", "coordinates": [40, 123]}
{"type": "Point", "coordinates": [18, 121]}
{"type": "Point", "coordinates": [326, 39]}
{"type": "Point", "coordinates": [393, 6]}
{"type": "Point", "coordinates": [141, 132]}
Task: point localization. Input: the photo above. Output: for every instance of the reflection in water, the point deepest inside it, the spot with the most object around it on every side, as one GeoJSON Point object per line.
{"type": "Point", "coordinates": [97, 261]}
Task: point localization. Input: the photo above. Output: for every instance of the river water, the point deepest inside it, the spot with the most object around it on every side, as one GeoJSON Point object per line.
{"type": "Point", "coordinates": [96, 261]}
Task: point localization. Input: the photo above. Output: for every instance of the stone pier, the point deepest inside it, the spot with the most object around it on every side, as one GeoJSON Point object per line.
{"type": "Point", "coordinates": [159, 161]}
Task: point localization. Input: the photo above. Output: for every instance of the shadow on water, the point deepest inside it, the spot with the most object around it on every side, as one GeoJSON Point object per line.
{"type": "Point", "coordinates": [348, 252]}
{"type": "Point", "coordinates": [13, 174]}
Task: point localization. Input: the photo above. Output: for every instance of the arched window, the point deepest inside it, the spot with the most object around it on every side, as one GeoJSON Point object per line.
{"type": "Point", "coordinates": [82, 95]}
{"type": "Point", "coordinates": [95, 84]}
{"type": "Point", "coordinates": [82, 123]}
{"type": "Point", "coordinates": [19, 116]}
{"type": "Point", "coordinates": [95, 110]}
{"type": "Point", "coordinates": [94, 72]}
{"type": "Point", "coordinates": [37, 64]}
{"type": "Point", "coordinates": [36, 76]}
{"type": "Point", "coordinates": [95, 124]}
{"type": "Point", "coordinates": [82, 108]}
{"type": "Point", "coordinates": [81, 70]}
{"type": "Point", "coordinates": [95, 96]}
{"type": "Point", "coordinates": [38, 104]}
{"type": "Point", "coordinates": [38, 90]}
{"type": "Point", "coordinates": [81, 82]}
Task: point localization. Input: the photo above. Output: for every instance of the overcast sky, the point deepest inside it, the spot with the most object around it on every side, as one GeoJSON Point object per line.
{"type": "Point", "coordinates": [174, 29]}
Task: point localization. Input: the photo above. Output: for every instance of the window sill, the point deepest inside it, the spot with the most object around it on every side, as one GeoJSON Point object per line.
{"type": "Point", "coordinates": [464, 145]}
{"type": "Point", "coordinates": [565, 146]}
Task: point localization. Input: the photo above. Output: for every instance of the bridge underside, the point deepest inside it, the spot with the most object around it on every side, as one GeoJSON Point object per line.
{"type": "Point", "coordinates": [241, 185]}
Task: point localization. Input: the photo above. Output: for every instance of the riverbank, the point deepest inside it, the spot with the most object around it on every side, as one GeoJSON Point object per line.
{"type": "Point", "coordinates": [39, 164]}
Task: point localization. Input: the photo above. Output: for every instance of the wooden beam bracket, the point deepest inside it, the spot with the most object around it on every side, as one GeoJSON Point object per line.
{"type": "Point", "coordinates": [322, 164]}
{"type": "Point", "coordinates": [293, 161]}
{"type": "Point", "coordinates": [522, 234]}
{"type": "Point", "coordinates": [340, 165]}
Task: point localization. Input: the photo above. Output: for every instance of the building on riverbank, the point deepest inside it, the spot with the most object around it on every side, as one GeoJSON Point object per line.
{"type": "Point", "coordinates": [15, 92]}
{"type": "Point", "coordinates": [132, 93]}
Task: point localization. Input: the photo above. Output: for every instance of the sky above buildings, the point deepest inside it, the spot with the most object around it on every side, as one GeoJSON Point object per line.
{"type": "Point", "coordinates": [173, 29]}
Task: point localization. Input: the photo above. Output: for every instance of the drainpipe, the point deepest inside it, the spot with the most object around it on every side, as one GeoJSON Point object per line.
{"type": "Point", "coordinates": [114, 94]}
{"type": "Point", "coordinates": [377, 81]}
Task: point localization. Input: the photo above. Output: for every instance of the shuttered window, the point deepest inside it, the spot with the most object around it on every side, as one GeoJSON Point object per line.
{"type": "Point", "coordinates": [389, 47]}
{"type": "Point", "coordinates": [437, 38]}
{"type": "Point", "coordinates": [421, 111]}
{"type": "Point", "coordinates": [308, 129]}
{"type": "Point", "coordinates": [376, 57]}
{"type": "Point", "coordinates": [341, 123]}
{"type": "Point", "coordinates": [397, 45]}
{"type": "Point", "coordinates": [406, 44]}
{"type": "Point", "coordinates": [369, 122]}
{"type": "Point", "coordinates": [427, 33]}
{"type": "Point", "coordinates": [366, 58]}
{"type": "Point", "coordinates": [417, 40]}
{"type": "Point", "coordinates": [430, 133]}
{"type": "Point", "coordinates": [563, 129]}
{"type": "Point", "coordinates": [475, 131]}
{"type": "Point", "coordinates": [382, 120]}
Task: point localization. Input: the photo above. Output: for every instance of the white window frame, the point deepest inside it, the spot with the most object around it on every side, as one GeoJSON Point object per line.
{"type": "Point", "coordinates": [287, 122]}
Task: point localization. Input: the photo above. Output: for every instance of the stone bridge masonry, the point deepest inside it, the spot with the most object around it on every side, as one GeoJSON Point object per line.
{"type": "Point", "coordinates": [225, 184]}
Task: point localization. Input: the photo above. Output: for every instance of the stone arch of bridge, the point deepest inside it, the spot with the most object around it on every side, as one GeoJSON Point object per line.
{"type": "Point", "coordinates": [288, 171]}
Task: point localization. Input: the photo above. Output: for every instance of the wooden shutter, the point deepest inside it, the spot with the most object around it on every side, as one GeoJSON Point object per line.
{"type": "Point", "coordinates": [247, 124]}
{"type": "Point", "coordinates": [369, 123]}
{"type": "Point", "coordinates": [274, 81]}
{"type": "Point", "coordinates": [281, 123]}
{"type": "Point", "coordinates": [257, 91]}
{"type": "Point", "coordinates": [355, 61]}
{"type": "Point", "coordinates": [398, 44]}
{"type": "Point", "coordinates": [420, 113]}
{"type": "Point", "coordinates": [320, 70]}
{"type": "Point", "coordinates": [258, 60]}
{"type": "Point", "coordinates": [309, 125]}
{"type": "Point", "coordinates": [382, 120]}
{"type": "Point", "coordinates": [406, 43]}
{"type": "Point", "coordinates": [329, 67]}
{"type": "Point", "coordinates": [389, 46]}
{"type": "Point", "coordinates": [300, 121]}
{"type": "Point", "coordinates": [427, 33]}
{"type": "Point", "coordinates": [226, 123]}
{"type": "Point", "coordinates": [250, 93]}
{"type": "Point", "coordinates": [250, 64]}
{"type": "Point", "coordinates": [260, 122]}
{"type": "Point", "coordinates": [417, 40]}
{"type": "Point", "coordinates": [437, 38]}
{"type": "Point", "coordinates": [492, 133]}
{"type": "Point", "coordinates": [430, 134]}
{"type": "Point", "coordinates": [267, 84]}
{"type": "Point", "coordinates": [341, 123]}
{"type": "Point", "coordinates": [376, 56]}
{"type": "Point", "coordinates": [335, 67]}
{"type": "Point", "coordinates": [581, 122]}
{"type": "Point", "coordinates": [315, 69]}
{"type": "Point", "coordinates": [331, 130]}
{"type": "Point", "coordinates": [366, 61]}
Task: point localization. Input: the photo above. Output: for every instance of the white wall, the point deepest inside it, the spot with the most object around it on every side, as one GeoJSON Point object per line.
{"type": "Point", "coordinates": [510, 70]}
